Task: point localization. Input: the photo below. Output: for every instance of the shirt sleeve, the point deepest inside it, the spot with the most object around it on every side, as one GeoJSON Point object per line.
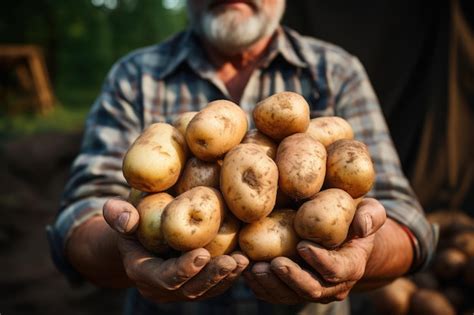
{"type": "Point", "coordinates": [357, 102]}
{"type": "Point", "coordinates": [112, 125]}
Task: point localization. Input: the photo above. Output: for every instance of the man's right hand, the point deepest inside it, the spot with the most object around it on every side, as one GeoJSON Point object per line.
{"type": "Point", "coordinates": [194, 275]}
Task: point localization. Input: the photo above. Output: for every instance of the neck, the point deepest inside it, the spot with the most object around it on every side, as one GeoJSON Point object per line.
{"type": "Point", "coordinates": [235, 70]}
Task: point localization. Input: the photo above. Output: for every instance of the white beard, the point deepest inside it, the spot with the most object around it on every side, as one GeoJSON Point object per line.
{"type": "Point", "coordinates": [229, 34]}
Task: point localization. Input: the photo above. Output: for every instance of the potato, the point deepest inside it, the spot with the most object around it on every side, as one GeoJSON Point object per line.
{"type": "Point", "coordinates": [198, 173]}
{"type": "Point", "coordinates": [431, 302]}
{"type": "Point", "coordinates": [394, 299]}
{"type": "Point", "coordinates": [465, 242]}
{"type": "Point", "coordinates": [267, 144]}
{"type": "Point", "coordinates": [301, 164]}
{"type": "Point", "coordinates": [182, 121]}
{"type": "Point", "coordinates": [227, 236]}
{"type": "Point", "coordinates": [154, 161]}
{"type": "Point", "coordinates": [134, 196]}
{"type": "Point", "coordinates": [193, 219]}
{"type": "Point", "coordinates": [451, 221]}
{"type": "Point", "coordinates": [329, 129]}
{"type": "Point", "coordinates": [216, 129]}
{"type": "Point", "coordinates": [270, 237]}
{"type": "Point", "coordinates": [349, 167]}
{"type": "Point", "coordinates": [449, 263]}
{"type": "Point", "coordinates": [149, 230]}
{"type": "Point", "coordinates": [326, 218]}
{"type": "Point", "coordinates": [249, 180]}
{"type": "Point", "coordinates": [282, 115]}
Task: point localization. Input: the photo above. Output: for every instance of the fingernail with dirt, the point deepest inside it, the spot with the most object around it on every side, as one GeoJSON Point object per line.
{"type": "Point", "coordinates": [200, 261]}
{"type": "Point", "coordinates": [122, 222]}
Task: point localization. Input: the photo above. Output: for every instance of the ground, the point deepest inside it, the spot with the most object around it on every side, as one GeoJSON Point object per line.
{"type": "Point", "coordinates": [33, 171]}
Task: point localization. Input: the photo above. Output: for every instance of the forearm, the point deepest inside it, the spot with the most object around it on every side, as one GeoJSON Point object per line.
{"type": "Point", "coordinates": [391, 257]}
{"type": "Point", "coordinates": [92, 250]}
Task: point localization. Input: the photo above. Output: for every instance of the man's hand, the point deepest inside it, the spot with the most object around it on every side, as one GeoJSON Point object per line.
{"type": "Point", "coordinates": [328, 275]}
{"type": "Point", "coordinates": [193, 275]}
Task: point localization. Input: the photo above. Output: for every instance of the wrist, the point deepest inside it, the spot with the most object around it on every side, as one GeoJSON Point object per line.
{"type": "Point", "coordinates": [392, 255]}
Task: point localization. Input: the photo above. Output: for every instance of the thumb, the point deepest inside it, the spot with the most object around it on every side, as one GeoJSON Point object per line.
{"type": "Point", "coordinates": [121, 216]}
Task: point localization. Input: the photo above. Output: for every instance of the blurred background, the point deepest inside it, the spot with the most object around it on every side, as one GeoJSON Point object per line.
{"type": "Point", "coordinates": [55, 54]}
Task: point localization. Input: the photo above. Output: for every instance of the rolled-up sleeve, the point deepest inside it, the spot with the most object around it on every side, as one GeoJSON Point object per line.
{"type": "Point", "coordinates": [96, 175]}
{"type": "Point", "coordinates": [356, 101]}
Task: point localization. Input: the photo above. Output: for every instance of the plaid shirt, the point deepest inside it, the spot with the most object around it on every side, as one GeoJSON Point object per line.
{"type": "Point", "coordinates": [157, 83]}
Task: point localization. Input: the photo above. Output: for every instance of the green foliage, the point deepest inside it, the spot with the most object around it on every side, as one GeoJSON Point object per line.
{"type": "Point", "coordinates": [81, 41]}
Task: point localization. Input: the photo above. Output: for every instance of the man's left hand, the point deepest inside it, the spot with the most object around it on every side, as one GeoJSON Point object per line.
{"type": "Point", "coordinates": [328, 275]}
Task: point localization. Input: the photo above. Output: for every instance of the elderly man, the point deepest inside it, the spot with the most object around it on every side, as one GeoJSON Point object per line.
{"type": "Point", "coordinates": [233, 50]}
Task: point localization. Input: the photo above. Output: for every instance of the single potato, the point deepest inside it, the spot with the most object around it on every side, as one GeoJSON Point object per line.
{"type": "Point", "coordinates": [431, 302]}
{"type": "Point", "coordinates": [281, 115]}
{"type": "Point", "coordinates": [394, 299]}
{"type": "Point", "coordinates": [349, 167]}
{"type": "Point", "coordinates": [149, 231]}
{"type": "Point", "coordinates": [193, 219]}
{"type": "Point", "coordinates": [155, 160]}
{"type": "Point", "coordinates": [301, 162]}
{"type": "Point", "coordinates": [182, 121]}
{"type": "Point", "coordinates": [216, 129]}
{"type": "Point", "coordinates": [267, 144]}
{"type": "Point", "coordinates": [326, 218]}
{"type": "Point", "coordinates": [270, 237]}
{"type": "Point", "coordinates": [329, 129]}
{"type": "Point", "coordinates": [249, 181]}
{"type": "Point", "coordinates": [227, 236]}
{"type": "Point", "coordinates": [198, 173]}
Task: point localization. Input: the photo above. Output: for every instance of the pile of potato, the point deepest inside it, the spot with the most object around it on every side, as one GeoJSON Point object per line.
{"type": "Point", "coordinates": [447, 287]}
{"type": "Point", "coordinates": [206, 181]}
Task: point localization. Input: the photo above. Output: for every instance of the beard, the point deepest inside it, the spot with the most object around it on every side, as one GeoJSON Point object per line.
{"type": "Point", "coordinates": [229, 33]}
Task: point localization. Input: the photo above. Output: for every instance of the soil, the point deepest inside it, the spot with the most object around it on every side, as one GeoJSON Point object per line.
{"type": "Point", "coordinates": [33, 172]}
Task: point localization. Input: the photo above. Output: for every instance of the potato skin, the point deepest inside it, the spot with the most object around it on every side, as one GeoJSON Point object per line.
{"type": "Point", "coordinates": [193, 219]}
{"type": "Point", "coordinates": [227, 236]}
{"type": "Point", "coordinates": [249, 180]}
{"type": "Point", "coordinates": [198, 173]}
{"type": "Point", "coordinates": [394, 299]}
{"type": "Point", "coordinates": [431, 302]}
{"type": "Point", "coordinates": [182, 121]}
{"type": "Point", "coordinates": [149, 231]}
{"type": "Point", "coordinates": [326, 218]}
{"type": "Point", "coordinates": [281, 115]}
{"type": "Point", "coordinates": [216, 129]}
{"type": "Point", "coordinates": [267, 144]}
{"type": "Point", "coordinates": [154, 161]}
{"type": "Point", "coordinates": [329, 129]}
{"type": "Point", "coordinates": [349, 167]}
{"type": "Point", "coordinates": [301, 162]}
{"type": "Point", "coordinates": [270, 237]}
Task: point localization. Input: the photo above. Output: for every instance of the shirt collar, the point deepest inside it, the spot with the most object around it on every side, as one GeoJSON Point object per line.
{"type": "Point", "coordinates": [188, 48]}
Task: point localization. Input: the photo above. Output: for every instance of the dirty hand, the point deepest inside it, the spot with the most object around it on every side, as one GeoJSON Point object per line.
{"type": "Point", "coordinates": [194, 275]}
{"type": "Point", "coordinates": [327, 275]}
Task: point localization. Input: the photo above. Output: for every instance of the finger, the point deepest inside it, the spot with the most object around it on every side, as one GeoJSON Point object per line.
{"type": "Point", "coordinates": [346, 263]}
{"type": "Point", "coordinates": [215, 271]}
{"type": "Point", "coordinates": [256, 288]}
{"type": "Point", "coordinates": [368, 218]}
{"type": "Point", "coordinates": [306, 284]}
{"type": "Point", "coordinates": [242, 263]}
{"type": "Point", "coordinates": [273, 285]}
{"type": "Point", "coordinates": [175, 272]}
{"type": "Point", "coordinates": [121, 216]}
{"type": "Point", "coordinates": [167, 274]}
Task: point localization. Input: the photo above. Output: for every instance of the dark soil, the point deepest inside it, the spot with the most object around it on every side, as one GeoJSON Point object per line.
{"type": "Point", "coordinates": [33, 172]}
